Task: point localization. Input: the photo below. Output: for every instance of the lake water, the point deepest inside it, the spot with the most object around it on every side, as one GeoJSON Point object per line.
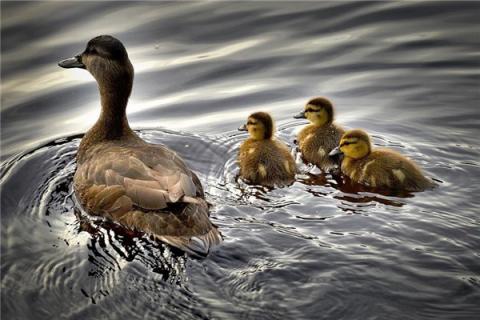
{"type": "Point", "coordinates": [407, 72]}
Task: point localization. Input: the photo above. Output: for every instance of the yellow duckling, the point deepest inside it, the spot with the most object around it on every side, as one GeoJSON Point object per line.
{"type": "Point", "coordinates": [119, 176]}
{"type": "Point", "coordinates": [382, 168]}
{"type": "Point", "coordinates": [263, 159]}
{"type": "Point", "coordinates": [318, 138]}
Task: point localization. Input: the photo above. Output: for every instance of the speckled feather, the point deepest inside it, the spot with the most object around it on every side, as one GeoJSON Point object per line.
{"type": "Point", "coordinates": [384, 168]}
{"type": "Point", "coordinates": [145, 187]}
{"type": "Point", "coordinates": [313, 137]}
{"type": "Point", "coordinates": [273, 155]}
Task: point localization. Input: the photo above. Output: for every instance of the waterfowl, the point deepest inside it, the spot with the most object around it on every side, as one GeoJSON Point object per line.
{"type": "Point", "coordinates": [263, 159]}
{"type": "Point", "coordinates": [379, 167]}
{"type": "Point", "coordinates": [317, 139]}
{"type": "Point", "coordinates": [143, 186]}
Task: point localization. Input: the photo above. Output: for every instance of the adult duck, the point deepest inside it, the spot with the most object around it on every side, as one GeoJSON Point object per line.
{"type": "Point", "coordinates": [143, 186]}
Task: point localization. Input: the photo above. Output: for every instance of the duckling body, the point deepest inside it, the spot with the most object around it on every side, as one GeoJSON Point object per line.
{"type": "Point", "coordinates": [321, 136]}
{"type": "Point", "coordinates": [315, 143]}
{"type": "Point", "coordinates": [143, 186]}
{"type": "Point", "coordinates": [262, 159]}
{"type": "Point", "coordinates": [379, 167]}
{"type": "Point", "coordinates": [266, 162]}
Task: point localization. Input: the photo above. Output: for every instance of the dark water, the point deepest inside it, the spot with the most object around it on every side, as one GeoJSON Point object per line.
{"type": "Point", "coordinates": [407, 72]}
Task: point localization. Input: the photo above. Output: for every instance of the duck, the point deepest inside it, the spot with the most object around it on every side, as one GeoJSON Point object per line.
{"type": "Point", "coordinates": [378, 167]}
{"type": "Point", "coordinates": [321, 136]}
{"type": "Point", "coordinates": [264, 160]}
{"type": "Point", "coordinates": [142, 186]}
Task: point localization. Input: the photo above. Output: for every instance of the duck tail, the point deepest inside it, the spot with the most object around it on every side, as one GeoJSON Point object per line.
{"type": "Point", "coordinates": [199, 245]}
{"type": "Point", "coordinates": [186, 227]}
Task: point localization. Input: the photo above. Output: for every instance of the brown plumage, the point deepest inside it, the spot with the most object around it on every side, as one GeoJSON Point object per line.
{"type": "Point", "coordinates": [379, 167]}
{"type": "Point", "coordinates": [263, 159]}
{"type": "Point", "coordinates": [317, 139]}
{"type": "Point", "coordinates": [119, 176]}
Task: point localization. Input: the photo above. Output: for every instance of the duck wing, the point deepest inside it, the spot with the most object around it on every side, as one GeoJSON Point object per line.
{"type": "Point", "coordinates": [148, 188]}
{"type": "Point", "coordinates": [152, 176]}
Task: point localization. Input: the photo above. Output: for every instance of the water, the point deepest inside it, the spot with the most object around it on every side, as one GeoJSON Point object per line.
{"type": "Point", "coordinates": [407, 72]}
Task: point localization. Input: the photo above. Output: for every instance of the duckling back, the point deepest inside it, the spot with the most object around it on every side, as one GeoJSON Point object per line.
{"type": "Point", "coordinates": [315, 143]}
{"type": "Point", "coordinates": [385, 168]}
{"type": "Point", "coordinates": [266, 162]}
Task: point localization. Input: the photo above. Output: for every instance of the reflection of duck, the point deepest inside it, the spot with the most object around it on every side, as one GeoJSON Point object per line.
{"type": "Point", "coordinates": [318, 138]}
{"type": "Point", "coordinates": [119, 176]}
{"type": "Point", "coordinates": [382, 168]}
{"type": "Point", "coordinates": [264, 160]}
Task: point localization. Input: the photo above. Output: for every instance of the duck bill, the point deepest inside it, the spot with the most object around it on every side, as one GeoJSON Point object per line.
{"type": "Point", "coordinates": [243, 128]}
{"type": "Point", "coordinates": [75, 62]}
{"type": "Point", "coordinates": [335, 152]}
{"type": "Point", "coordinates": [301, 115]}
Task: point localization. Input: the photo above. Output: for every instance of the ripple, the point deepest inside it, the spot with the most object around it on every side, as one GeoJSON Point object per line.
{"type": "Point", "coordinates": [407, 72]}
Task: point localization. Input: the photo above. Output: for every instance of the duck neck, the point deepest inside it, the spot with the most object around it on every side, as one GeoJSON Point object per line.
{"type": "Point", "coordinates": [113, 121]}
{"type": "Point", "coordinates": [115, 87]}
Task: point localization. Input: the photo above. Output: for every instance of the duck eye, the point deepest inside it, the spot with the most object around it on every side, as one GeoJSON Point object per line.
{"type": "Point", "coordinates": [91, 50]}
{"type": "Point", "coordinates": [249, 123]}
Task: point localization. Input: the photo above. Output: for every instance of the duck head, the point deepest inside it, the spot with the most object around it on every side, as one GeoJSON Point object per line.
{"type": "Point", "coordinates": [354, 144]}
{"type": "Point", "coordinates": [319, 111]}
{"type": "Point", "coordinates": [259, 125]}
{"type": "Point", "coordinates": [107, 60]}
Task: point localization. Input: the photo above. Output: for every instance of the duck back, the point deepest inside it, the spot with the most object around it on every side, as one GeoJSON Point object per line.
{"type": "Point", "coordinates": [148, 188]}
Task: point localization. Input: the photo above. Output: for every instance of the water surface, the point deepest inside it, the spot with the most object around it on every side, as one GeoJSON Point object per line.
{"type": "Point", "coordinates": [407, 72]}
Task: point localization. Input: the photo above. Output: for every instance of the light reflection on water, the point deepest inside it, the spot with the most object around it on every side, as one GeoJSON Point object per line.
{"type": "Point", "coordinates": [406, 72]}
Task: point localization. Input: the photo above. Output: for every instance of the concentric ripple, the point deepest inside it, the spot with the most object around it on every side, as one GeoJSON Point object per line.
{"type": "Point", "coordinates": [322, 248]}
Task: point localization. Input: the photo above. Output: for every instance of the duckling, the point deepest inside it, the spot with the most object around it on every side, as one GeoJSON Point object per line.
{"type": "Point", "coordinates": [379, 167]}
{"type": "Point", "coordinates": [145, 187]}
{"type": "Point", "coordinates": [317, 139]}
{"type": "Point", "coordinates": [263, 159]}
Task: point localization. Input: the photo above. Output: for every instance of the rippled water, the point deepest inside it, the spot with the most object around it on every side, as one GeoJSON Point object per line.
{"type": "Point", "coordinates": [407, 72]}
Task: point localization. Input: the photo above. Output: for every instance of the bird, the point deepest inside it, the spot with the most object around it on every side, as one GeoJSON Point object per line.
{"type": "Point", "coordinates": [321, 136]}
{"type": "Point", "coordinates": [142, 186]}
{"type": "Point", "coordinates": [378, 167]}
{"type": "Point", "coordinates": [263, 159]}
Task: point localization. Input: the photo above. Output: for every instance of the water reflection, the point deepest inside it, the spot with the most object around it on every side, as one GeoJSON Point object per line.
{"type": "Point", "coordinates": [407, 72]}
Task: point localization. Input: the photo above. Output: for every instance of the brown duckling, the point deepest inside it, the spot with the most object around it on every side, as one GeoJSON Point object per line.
{"type": "Point", "coordinates": [143, 186]}
{"type": "Point", "coordinates": [263, 159]}
{"type": "Point", "coordinates": [379, 167]}
{"type": "Point", "coordinates": [321, 136]}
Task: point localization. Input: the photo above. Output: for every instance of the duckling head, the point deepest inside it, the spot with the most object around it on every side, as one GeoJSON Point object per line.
{"type": "Point", "coordinates": [259, 125]}
{"type": "Point", "coordinates": [107, 60]}
{"type": "Point", "coordinates": [319, 111]}
{"type": "Point", "coordinates": [354, 144]}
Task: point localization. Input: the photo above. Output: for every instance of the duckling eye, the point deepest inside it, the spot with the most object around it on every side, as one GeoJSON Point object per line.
{"type": "Point", "coordinates": [250, 123]}
{"type": "Point", "coordinates": [311, 110]}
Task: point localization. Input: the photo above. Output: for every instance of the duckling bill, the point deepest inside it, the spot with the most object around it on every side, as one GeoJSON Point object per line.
{"type": "Point", "coordinates": [322, 135]}
{"type": "Point", "coordinates": [263, 159]}
{"type": "Point", "coordinates": [379, 167]}
{"type": "Point", "coordinates": [143, 186]}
